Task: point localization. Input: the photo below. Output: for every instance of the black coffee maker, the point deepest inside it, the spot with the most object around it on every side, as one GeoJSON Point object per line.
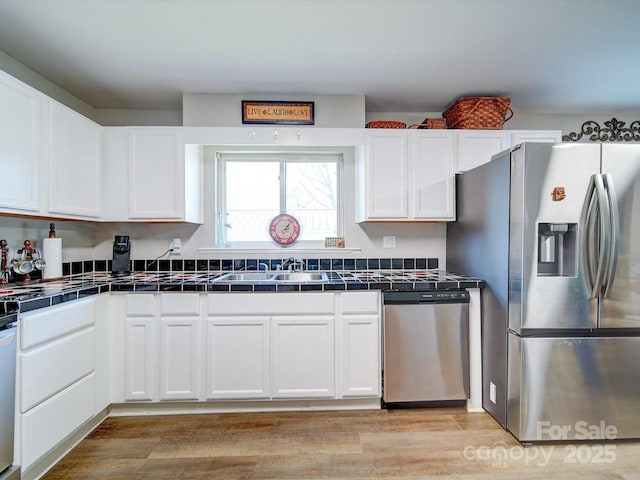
{"type": "Point", "coordinates": [121, 264]}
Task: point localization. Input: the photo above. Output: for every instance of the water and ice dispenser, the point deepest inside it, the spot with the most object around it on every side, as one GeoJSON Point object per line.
{"type": "Point", "coordinates": [557, 249]}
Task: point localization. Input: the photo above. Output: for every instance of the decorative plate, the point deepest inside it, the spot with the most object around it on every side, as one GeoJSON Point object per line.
{"type": "Point", "coordinates": [284, 229]}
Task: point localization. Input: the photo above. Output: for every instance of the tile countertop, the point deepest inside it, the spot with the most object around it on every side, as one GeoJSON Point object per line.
{"type": "Point", "coordinates": [16, 298]}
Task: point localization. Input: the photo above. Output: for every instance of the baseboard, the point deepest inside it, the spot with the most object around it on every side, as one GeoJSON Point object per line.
{"type": "Point", "coordinates": [239, 406]}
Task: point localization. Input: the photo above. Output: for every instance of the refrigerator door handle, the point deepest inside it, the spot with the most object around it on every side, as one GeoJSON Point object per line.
{"type": "Point", "coordinates": [614, 224]}
{"type": "Point", "coordinates": [587, 236]}
{"type": "Point", "coordinates": [596, 236]}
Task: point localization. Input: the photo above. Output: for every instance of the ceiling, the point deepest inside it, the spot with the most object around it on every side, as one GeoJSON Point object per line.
{"type": "Point", "coordinates": [549, 56]}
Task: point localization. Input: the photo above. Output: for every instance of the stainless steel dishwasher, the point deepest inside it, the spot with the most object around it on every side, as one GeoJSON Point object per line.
{"type": "Point", "coordinates": [7, 394]}
{"type": "Point", "coordinates": [426, 347]}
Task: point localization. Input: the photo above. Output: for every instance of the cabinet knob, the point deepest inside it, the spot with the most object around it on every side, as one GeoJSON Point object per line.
{"type": "Point", "coordinates": [275, 136]}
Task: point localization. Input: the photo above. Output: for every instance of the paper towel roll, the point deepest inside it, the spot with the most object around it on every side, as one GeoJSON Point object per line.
{"type": "Point", "coordinates": [52, 255]}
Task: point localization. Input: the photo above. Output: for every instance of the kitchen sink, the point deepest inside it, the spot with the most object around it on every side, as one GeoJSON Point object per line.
{"type": "Point", "coordinates": [299, 277]}
{"type": "Point", "coordinates": [273, 277]}
{"type": "Point", "coordinates": [245, 277]}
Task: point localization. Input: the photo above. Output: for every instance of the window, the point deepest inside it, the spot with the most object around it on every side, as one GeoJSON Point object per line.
{"type": "Point", "coordinates": [254, 187]}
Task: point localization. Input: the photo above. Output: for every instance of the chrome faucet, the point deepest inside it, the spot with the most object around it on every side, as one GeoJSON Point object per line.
{"type": "Point", "coordinates": [292, 264]}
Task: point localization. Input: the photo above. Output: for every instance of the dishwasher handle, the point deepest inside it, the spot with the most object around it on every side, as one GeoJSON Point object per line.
{"type": "Point", "coordinates": [435, 296]}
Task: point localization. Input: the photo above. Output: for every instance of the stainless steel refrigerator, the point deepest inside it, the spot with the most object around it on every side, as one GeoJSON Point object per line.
{"type": "Point", "coordinates": [554, 230]}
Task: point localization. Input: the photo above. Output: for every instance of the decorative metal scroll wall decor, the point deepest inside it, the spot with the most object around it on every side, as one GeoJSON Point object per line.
{"type": "Point", "coordinates": [613, 130]}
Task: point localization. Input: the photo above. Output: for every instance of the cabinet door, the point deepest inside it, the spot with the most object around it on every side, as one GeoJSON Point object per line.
{"type": "Point", "coordinates": [431, 177]}
{"type": "Point", "coordinates": [20, 145]}
{"type": "Point", "coordinates": [386, 175]}
{"type": "Point", "coordinates": [140, 359]}
{"type": "Point", "coordinates": [74, 164]}
{"type": "Point", "coordinates": [303, 357]}
{"type": "Point", "coordinates": [519, 136]}
{"type": "Point", "coordinates": [156, 174]}
{"type": "Point", "coordinates": [238, 357]}
{"type": "Point", "coordinates": [475, 147]}
{"type": "Point", "coordinates": [115, 161]}
{"type": "Point", "coordinates": [359, 356]}
{"type": "Point", "coordinates": [179, 358]}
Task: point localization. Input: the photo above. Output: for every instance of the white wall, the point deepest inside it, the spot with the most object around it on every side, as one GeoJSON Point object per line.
{"type": "Point", "coordinates": [150, 241]}
{"type": "Point", "coordinates": [225, 109]}
{"type": "Point", "coordinates": [105, 117]}
{"type": "Point", "coordinates": [78, 238]}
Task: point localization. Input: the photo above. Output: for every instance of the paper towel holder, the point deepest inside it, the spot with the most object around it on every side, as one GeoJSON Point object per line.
{"type": "Point", "coordinates": [52, 253]}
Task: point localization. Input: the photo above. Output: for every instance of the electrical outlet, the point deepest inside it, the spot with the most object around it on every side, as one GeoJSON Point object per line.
{"type": "Point", "coordinates": [389, 241]}
{"type": "Point", "coordinates": [492, 392]}
{"type": "Point", "coordinates": [176, 246]}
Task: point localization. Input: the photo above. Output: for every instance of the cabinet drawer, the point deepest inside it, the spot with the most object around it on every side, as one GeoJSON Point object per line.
{"type": "Point", "coordinates": [265, 303]}
{"type": "Point", "coordinates": [48, 370]}
{"type": "Point", "coordinates": [360, 302]}
{"type": "Point", "coordinates": [140, 305]}
{"type": "Point", "coordinates": [46, 425]}
{"type": "Point", "coordinates": [180, 304]}
{"type": "Point", "coordinates": [54, 322]}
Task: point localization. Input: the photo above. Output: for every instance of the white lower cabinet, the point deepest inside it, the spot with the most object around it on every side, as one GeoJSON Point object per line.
{"type": "Point", "coordinates": [140, 359]}
{"type": "Point", "coordinates": [293, 346]}
{"type": "Point", "coordinates": [49, 423]}
{"type": "Point", "coordinates": [359, 359]}
{"type": "Point", "coordinates": [179, 358]}
{"type": "Point", "coordinates": [303, 356]}
{"type": "Point", "coordinates": [58, 366]}
{"type": "Point", "coordinates": [238, 357]}
{"type": "Point", "coordinates": [162, 347]}
{"type": "Point", "coordinates": [359, 347]}
{"type": "Point", "coordinates": [247, 346]}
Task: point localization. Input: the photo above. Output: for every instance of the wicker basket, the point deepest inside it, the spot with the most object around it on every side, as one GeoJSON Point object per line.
{"type": "Point", "coordinates": [478, 113]}
{"type": "Point", "coordinates": [430, 123]}
{"type": "Point", "coordinates": [386, 124]}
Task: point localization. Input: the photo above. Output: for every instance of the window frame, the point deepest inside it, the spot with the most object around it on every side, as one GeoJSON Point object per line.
{"type": "Point", "coordinates": [283, 157]}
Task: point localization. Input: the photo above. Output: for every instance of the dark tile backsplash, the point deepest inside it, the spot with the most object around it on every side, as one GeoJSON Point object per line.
{"type": "Point", "coordinates": [325, 264]}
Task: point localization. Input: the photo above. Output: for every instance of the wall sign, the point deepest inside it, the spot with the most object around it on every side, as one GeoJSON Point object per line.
{"type": "Point", "coordinates": [288, 113]}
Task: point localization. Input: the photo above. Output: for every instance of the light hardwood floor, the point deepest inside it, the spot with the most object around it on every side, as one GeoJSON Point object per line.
{"type": "Point", "coordinates": [372, 444]}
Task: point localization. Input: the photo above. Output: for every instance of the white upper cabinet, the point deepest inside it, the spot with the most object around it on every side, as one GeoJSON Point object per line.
{"type": "Point", "coordinates": [475, 147]}
{"type": "Point", "coordinates": [20, 146]}
{"type": "Point", "coordinates": [431, 179]}
{"type": "Point", "coordinates": [156, 177]}
{"type": "Point", "coordinates": [386, 176]}
{"type": "Point", "coordinates": [519, 136]}
{"type": "Point", "coordinates": [74, 167]}
{"type": "Point", "coordinates": [165, 182]}
{"type": "Point", "coordinates": [407, 175]}
{"type": "Point", "coordinates": [150, 176]}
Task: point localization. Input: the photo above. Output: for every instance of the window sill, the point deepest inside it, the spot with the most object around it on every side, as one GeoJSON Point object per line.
{"type": "Point", "coordinates": [274, 250]}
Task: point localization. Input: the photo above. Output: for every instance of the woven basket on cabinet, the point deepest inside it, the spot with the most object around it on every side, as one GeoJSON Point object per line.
{"type": "Point", "coordinates": [478, 113]}
{"type": "Point", "coordinates": [386, 124]}
{"type": "Point", "coordinates": [430, 123]}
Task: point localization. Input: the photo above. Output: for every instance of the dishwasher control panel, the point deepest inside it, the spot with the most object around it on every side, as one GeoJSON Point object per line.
{"type": "Point", "coordinates": [436, 296]}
